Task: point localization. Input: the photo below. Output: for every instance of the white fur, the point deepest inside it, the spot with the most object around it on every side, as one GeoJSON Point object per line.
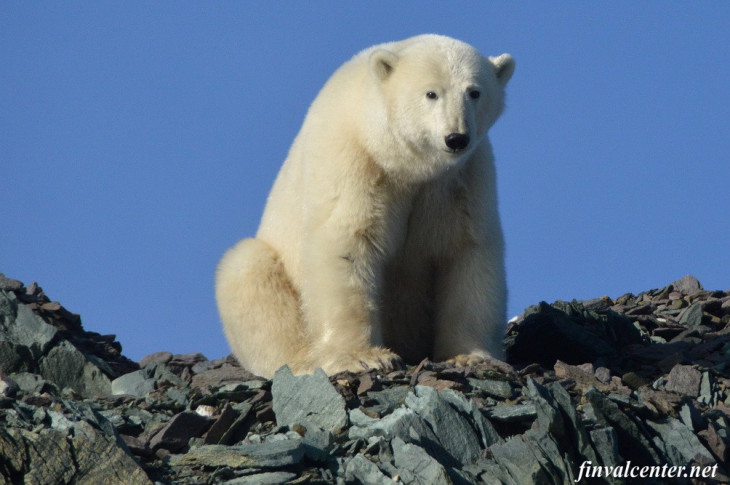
{"type": "Point", "coordinates": [377, 239]}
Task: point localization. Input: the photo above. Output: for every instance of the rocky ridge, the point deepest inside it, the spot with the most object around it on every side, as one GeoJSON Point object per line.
{"type": "Point", "coordinates": [641, 378]}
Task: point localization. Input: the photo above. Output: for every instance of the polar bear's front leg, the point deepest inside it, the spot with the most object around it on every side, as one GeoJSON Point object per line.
{"type": "Point", "coordinates": [339, 304]}
{"type": "Point", "coordinates": [471, 299]}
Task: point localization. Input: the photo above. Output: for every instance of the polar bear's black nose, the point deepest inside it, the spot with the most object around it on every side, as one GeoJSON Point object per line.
{"type": "Point", "coordinates": [457, 141]}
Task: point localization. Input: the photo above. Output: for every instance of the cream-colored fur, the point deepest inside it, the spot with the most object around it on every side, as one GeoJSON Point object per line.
{"type": "Point", "coordinates": [379, 241]}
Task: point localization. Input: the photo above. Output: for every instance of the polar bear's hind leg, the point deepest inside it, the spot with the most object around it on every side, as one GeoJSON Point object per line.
{"type": "Point", "coordinates": [259, 309]}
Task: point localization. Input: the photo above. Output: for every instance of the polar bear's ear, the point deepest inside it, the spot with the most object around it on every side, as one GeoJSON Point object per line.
{"type": "Point", "coordinates": [382, 63]}
{"type": "Point", "coordinates": [504, 66]}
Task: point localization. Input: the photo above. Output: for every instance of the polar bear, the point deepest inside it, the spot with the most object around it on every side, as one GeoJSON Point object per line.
{"type": "Point", "coordinates": [380, 241]}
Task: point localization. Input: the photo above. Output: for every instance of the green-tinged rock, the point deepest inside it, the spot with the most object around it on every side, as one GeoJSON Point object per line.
{"type": "Point", "coordinates": [493, 388]}
{"type": "Point", "coordinates": [692, 316]}
{"type": "Point", "coordinates": [269, 454]}
{"type": "Point", "coordinates": [512, 413]}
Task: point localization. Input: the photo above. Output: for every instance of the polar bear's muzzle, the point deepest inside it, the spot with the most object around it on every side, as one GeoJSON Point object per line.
{"type": "Point", "coordinates": [456, 141]}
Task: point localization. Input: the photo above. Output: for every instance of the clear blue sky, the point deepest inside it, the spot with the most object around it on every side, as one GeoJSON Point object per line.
{"type": "Point", "coordinates": [138, 141]}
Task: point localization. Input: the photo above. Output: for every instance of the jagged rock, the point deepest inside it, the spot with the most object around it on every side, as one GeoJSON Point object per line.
{"type": "Point", "coordinates": [469, 409]}
{"type": "Point", "coordinates": [568, 332]}
{"type": "Point", "coordinates": [416, 466]}
{"type": "Point", "coordinates": [23, 327]}
{"type": "Point", "coordinates": [692, 315]}
{"type": "Point", "coordinates": [651, 386]}
{"type": "Point", "coordinates": [453, 431]}
{"type": "Point", "coordinates": [605, 442]}
{"type": "Point", "coordinates": [65, 366]}
{"type": "Point", "coordinates": [318, 444]}
{"type": "Point", "coordinates": [361, 470]}
{"type": "Point", "coordinates": [678, 443]}
{"type": "Point", "coordinates": [402, 423]}
{"type": "Point", "coordinates": [53, 456]}
{"type": "Point", "coordinates": [10, 284]}
{"type": "Point", "coordinates": [512, 413]}
{"type": "Point", "coordinates": [633, 444]}
{"type": "Point", "coordinates": [307, 400]}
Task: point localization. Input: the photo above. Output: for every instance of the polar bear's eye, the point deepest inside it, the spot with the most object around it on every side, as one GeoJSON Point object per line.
{"type": "Point", "coordinates": [432, 95]}
{"type": "Point", "coordinates": [474, 94]}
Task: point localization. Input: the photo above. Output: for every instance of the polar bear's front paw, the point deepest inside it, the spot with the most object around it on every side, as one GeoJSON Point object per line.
{"type": "Point", "coordinates": [378, 358]}
{"type": "Point", "coordinates": [465, 360]}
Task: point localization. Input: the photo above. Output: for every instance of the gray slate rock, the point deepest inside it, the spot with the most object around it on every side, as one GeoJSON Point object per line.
{"type": "Point", "coordinates": [416, 466]}
{"type": "Point", "coordinates": [685, 380]}
{"type": "Point", "coordinates": [360, 470]}
{"type": "Point", "coordinates": [633, 444]}
{"type": "Point", "coordinates": [65, 366]}
{"type": "Point", "coordinates": [21, 326]}
{"type": "Point", "coordinates": [402, 423]}
{"type": "Point", "coordinates": [10, 284]}
{"type": "Point", "coordinates": [136, 383]}
{"type": "Point", "coordinates": [468, 407]}
{"type": "Point", "coordinates": [692, 315]}
{"type": "Point", "coordinates": [266, 478]}
{"type": "Point", "coordinates": [453, 430]}
{"type": "Point", "coordinates": [512, 413]}
{"type": "Point", "coordinates": [679, 445]}
{"type": "Point", "coordinates": [318, 444]}
{"type": "Point", "coordinates": [54, 456]}
{"type": "Point", "coordinates": [309, 400]}
{"type": "Point", "coordinates": [493, 388]}
{"type": "Point", "coordinates": [687, 285]}
{"type": "Point", "coordinates": [15, 358]}
{"type": "Point", "coordinates": [606, 444]}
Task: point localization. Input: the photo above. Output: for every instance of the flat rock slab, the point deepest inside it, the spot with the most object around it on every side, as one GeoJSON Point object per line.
{"type": "Point", "coordinates": [685, 380]}
{"type": "Point", "coordinates": [309, 400]}
{"type": "Point", "coordinates": [271, 454]}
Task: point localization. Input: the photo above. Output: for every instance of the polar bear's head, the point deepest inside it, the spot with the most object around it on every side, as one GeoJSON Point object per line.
{"type": "Point", "coordinates": [438, 97]}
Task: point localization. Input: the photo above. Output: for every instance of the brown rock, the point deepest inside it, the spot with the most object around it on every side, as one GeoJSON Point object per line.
{"type": "Point", "coordinates": [367, 383]}
{"type": "Point", "coordinates": [221, 425]}
{"type": "Point", "coordinates": [225, 374]}
{"type": "Point", "coordinates": [162, 357]}
{"type": "Point", "coordinates": [661, 401]}
{"type": "Point", "coordinates": [715, 443]}
{"type": "Point", "coordinates": [174, 436]}
{"type": "Point", "coordinates": [582, 375]}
